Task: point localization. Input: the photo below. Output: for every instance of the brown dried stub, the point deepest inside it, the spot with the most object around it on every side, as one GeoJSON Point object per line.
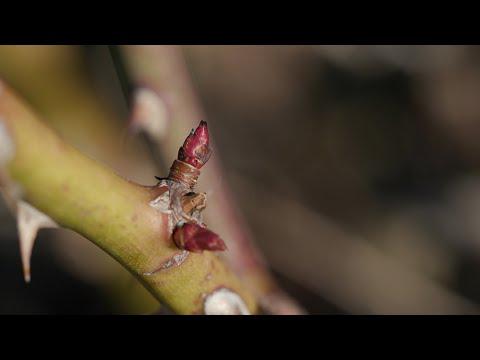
{"type": "Point", "coordinates": [195, 238]}
{"type": "Point", "coordinates": [194, 202]}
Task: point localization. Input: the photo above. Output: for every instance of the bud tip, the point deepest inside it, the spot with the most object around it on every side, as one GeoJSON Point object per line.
{"type": "Point", "coordinates": [195, 238]}
{"type": "Point", "coordinates": [196, 148]}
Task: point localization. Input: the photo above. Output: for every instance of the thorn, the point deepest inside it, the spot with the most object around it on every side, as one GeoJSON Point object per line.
{"type": "Point", "coordinates": [7, 147]}
{"type": "Point", "coordinates": [29, 221]}
{"type": "Point", "coordinates": [149, 113]}
{"type": "Point", "coordinates": [196, 150]}
{"type": "Point", "coordinates": [194, 238]}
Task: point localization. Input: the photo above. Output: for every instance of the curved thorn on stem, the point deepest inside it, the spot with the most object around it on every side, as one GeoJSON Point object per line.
{"type": "Point", "coordinates": [30, 220]}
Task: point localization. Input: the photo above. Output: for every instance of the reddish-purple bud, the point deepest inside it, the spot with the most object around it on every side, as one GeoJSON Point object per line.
{"type": "Point", "coordinates": [195, 238]}
{"type": "Point", "coordinates": [196, 150]}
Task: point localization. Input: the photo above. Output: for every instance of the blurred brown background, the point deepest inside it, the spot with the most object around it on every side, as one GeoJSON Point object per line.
{"type": "Point", "coordinates": [356, 168]}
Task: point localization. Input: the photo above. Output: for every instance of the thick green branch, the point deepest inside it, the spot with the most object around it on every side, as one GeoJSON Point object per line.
{"type": "Point", "coordinates": [115, 214]}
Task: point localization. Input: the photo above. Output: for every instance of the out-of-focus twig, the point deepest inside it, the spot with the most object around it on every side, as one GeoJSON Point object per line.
{"type": "Point", "coordinates": [344, 269]}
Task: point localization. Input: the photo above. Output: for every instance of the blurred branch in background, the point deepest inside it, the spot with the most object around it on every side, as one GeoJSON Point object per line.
{"type": "Point", "coordinates": [358, 144]}
{"type": "Point", "coordinates": [343, 268]}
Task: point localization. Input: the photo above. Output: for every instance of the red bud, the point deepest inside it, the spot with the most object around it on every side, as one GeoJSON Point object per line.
{"type": "Point", "coordinates": [194, 238]}
{"type": "Point", "coordinates": [196, 150]}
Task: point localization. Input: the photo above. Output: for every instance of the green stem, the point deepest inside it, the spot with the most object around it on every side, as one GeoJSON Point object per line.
{"type": "Point", "coordinates": [83, 195]}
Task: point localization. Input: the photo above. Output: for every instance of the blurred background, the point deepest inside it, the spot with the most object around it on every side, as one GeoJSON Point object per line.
{"type": "Point", "coordinates": [356, 169]}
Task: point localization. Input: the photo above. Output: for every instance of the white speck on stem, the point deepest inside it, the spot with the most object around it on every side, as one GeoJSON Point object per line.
{"type": "Point", "coordinates": [9, 190]}
{"type": "Point", "coordinates": [224, 302]}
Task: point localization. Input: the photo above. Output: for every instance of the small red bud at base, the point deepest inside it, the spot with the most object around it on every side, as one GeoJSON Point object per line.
{"type": "Point", "coordinates": [195, 150]}
{"type": "Point", "coordinates": [194, 238]}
